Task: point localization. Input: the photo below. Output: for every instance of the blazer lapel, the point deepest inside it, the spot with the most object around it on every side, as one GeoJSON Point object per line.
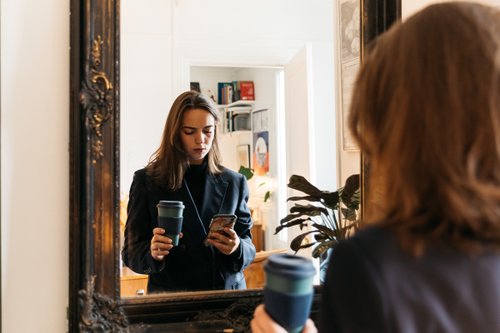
{"type": "Point", "coordinates": [213, 197]}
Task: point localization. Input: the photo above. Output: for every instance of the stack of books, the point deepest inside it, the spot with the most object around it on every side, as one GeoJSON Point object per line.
{"type": "Point", "coordinates": [229, 92]}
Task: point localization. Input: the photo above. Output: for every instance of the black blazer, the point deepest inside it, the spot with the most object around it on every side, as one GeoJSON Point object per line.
{"type": "Point", "coordinates": [191, 265]}
{"type": "Point", "coordinates": [373, 286]}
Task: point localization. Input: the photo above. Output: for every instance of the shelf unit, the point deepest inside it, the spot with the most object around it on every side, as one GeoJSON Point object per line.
{"type": "Point", "coordinates": [237, 116]}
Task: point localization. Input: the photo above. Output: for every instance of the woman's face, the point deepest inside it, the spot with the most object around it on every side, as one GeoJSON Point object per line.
{"type": "Point", "coordinates": [197, 134]}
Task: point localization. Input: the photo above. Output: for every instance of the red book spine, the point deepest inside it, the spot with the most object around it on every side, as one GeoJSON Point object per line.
{"type": "Point", "coordinates": [247, 91]}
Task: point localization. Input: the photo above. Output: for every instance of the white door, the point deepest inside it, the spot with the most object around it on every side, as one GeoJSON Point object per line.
{"type": "Point", "coordinates": [298, 129]}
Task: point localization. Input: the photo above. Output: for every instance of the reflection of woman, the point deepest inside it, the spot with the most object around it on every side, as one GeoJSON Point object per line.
{"type": "Point", "coordinates": [426, 113]}
{"type": "Point", "coordinates": [186, 167]}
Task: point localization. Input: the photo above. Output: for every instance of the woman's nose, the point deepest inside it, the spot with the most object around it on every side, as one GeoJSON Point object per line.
{"type": "Point", "coordinates": [199, 138]}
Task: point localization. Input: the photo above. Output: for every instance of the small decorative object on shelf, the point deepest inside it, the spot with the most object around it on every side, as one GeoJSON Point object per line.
{"type": "Point", "coordinates": [195, 86]}
{"type": "Point", "coordinates": [209, 93]}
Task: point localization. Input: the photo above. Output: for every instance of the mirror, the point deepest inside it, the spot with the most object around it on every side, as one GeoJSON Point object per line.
{"type": "Point", "coordinates": [207, 43]}
{"type": "Point", "coordinates": [95, 189]}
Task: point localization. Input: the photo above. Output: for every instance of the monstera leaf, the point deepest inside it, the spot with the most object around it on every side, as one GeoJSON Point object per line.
{"type": "Point", "coordinates": [331, 215]}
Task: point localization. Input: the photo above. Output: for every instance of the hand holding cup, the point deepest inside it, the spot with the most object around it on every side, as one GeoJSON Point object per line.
{"type": "Point", "coordinates": [168, 232]}
{"type": "Point", "coordinates": [288, 290]}
{"type": "Point", "coordinates": [161, 244]}
{"type": "Point", "coordinates": [170, 218]}
{"type": "Point", "coordinates": [262, 323]}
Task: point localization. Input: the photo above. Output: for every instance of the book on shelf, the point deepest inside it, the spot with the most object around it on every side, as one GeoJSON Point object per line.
{"type": "Point", "coordinates": [246, 91]}
{"type": "Point", "coordinates": [225, 92]}
{"type": "Point", "coordinates": [229, 92]}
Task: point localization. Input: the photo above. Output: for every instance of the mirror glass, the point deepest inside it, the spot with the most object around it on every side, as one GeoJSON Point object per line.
{"type": "Point", "coordinates": [288, 49]}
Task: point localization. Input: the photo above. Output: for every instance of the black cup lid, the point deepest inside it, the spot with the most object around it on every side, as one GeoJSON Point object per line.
{"type": "Point", "coordinates": [290, 265]}
{"type": "Point", "coordinates": [170, 204]}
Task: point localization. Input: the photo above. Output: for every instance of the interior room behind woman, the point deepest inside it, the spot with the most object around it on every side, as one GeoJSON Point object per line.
{"type": "Point", "coordinates": [187, 167]}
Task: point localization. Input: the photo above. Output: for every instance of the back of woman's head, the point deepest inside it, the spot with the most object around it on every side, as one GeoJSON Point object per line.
{"type": "Point", "coordinates": [169, 163]}
{"type": "Point", "coordinates": [426, 112]}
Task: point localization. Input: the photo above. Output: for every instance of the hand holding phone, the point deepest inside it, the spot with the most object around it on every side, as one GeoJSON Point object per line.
{"type": "Point", "coordinates": [218, 223]}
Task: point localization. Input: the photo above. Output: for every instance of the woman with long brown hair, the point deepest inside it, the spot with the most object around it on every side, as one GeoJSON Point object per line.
{"type": "Point", "coordinates": [426, 114]}
{"type": "Point", "coordinates": [187, 167]}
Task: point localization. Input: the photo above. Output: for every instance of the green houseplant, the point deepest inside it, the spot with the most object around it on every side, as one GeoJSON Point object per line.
{"type": "Point", "coordinates": [333, 216]}
{"type": "Point", "coordinates": [248, 173]}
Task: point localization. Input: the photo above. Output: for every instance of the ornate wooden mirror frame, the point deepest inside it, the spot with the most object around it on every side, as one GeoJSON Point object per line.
{"type": "Point", "coordinates": [94, 301]}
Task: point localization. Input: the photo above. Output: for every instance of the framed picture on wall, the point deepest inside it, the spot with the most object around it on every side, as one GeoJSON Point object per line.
{"type": "Point", "coordinates": [261, 153]}
{"type": "Point", "coordinates": [243, 155]}
{"type": "Point", "coordinates": [350, 47]}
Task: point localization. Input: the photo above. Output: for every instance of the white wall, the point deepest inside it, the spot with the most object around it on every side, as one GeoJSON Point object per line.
{"type": "Point", "coordinates": [34, 164]}
{"type": "Point", "coordinates": [235, 33]}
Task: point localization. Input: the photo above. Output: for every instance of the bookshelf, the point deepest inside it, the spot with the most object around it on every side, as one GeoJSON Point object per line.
{"type": "Point", "coordinates": [229, 92]}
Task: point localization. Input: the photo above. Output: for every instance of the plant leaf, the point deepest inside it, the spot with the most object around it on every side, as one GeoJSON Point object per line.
{"type": "Point", "coordinates": [321, 237]}
{"type": "Point", "coordinates": [354, 201]}
{"type": "Point", "coordinates": [247, 172]}
{"type": "Point", "coordinates": [325, 230]}
{"type": "Point", "coordinates": [306, 198]}
{"type": "Point", "coordinates": [267, 196]}
{"type": "Point", "coordinates": [296, 243]}
{"type": "Point", "coordinates": [331, 199]}
{"type": "Point", "coordinates": [349, 214]}
{"type": "Point", "coordinates": [350, 187]}
{"type": "Point", "coordinates": [323, 247]}
{"type": "Point", "coordinates": [299, 183]}
{"type": "Point", "coordinates": [288, 224]}
{"type": "Point", "coordinates": [310, 210]}
{"type": "Point", "coordinates": [289, 217]}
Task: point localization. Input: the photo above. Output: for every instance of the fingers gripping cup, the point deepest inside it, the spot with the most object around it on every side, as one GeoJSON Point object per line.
{"type": "Point", "coordinates": [170, 218]}
{"type": "Point", "coordinates": [288, 290]}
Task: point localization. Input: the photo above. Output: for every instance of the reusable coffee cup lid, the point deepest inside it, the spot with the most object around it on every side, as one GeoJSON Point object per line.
{"type": "Point", "coordinates": [170, 208]}
{"type": "Point", "coordinates": [170, 204]}
{"type": "Point", "coordinates": [294, 267]}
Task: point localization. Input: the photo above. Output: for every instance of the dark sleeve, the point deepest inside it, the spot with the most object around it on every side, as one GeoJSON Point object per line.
{"type": "Point", "coordinates": [245, 254]}
{"type": "Point", "coordinates": [350, 299]}
{"type": "Point", "coordinates": [139, 230]}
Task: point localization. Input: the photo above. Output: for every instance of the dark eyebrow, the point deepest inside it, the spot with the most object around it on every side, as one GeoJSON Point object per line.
{"type": "Point", "coordinates": [193, 128]}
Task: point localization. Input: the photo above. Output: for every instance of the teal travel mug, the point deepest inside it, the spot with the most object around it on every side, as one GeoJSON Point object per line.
{"type": "Point", "coordinates": [288, 290]}
{"type": "Point", "coordinates": [170, 218]}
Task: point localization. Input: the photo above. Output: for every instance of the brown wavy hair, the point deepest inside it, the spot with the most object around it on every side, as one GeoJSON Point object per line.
{"type": "Point", "coordinates": [169, 162]}
{"type": "Point", "coordinates": [426, 114]}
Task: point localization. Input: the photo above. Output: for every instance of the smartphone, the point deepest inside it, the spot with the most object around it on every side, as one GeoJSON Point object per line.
{"type": "Point", "coordinates": [218, 223]}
